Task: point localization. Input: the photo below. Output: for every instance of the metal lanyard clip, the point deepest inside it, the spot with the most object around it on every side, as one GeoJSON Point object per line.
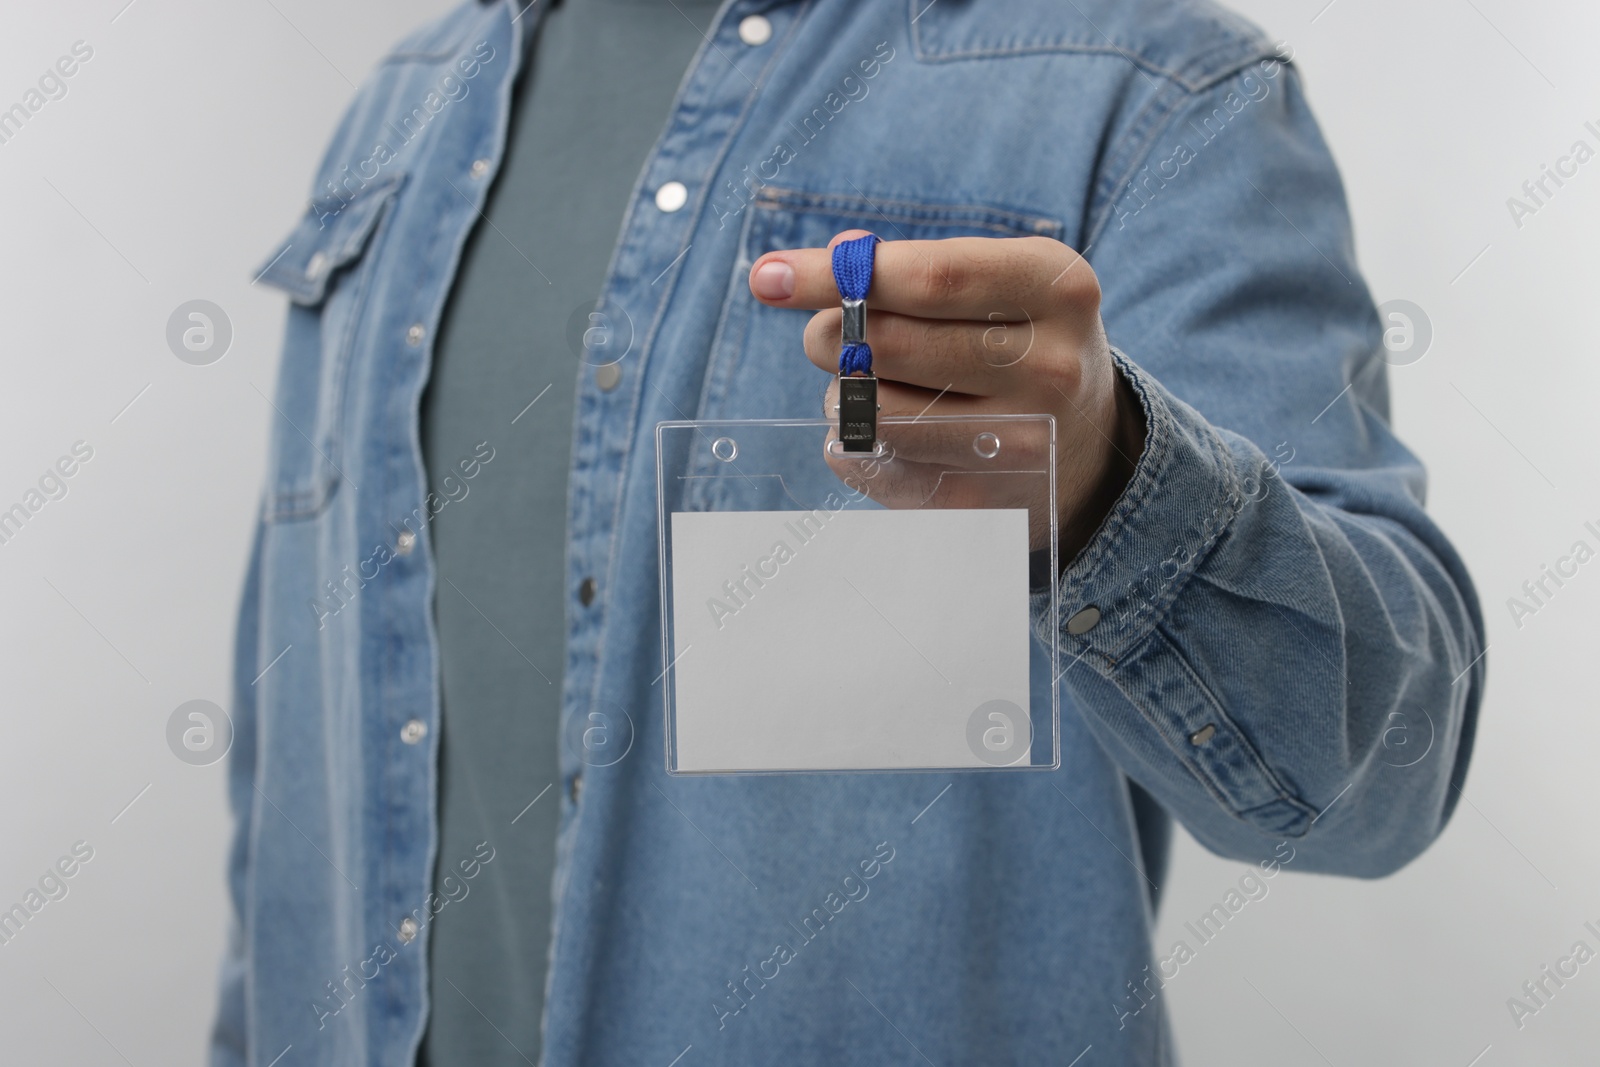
{"type": "Point", "coordinates": [858, 387]}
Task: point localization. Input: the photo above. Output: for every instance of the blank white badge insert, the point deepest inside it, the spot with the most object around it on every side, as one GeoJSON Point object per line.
{"type": "Point", "coordinates": [850, 640]}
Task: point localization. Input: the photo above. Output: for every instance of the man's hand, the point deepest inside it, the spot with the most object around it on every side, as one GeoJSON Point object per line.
{"type": "Point", "coordinates": [983, 326]}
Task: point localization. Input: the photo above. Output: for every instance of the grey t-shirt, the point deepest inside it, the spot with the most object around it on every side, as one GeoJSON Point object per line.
{"type": "Point", "coordinates": [596, 88]}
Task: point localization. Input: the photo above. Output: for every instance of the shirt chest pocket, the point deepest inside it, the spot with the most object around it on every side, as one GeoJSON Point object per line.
{"type": "Point", "coordinates": [758, 367]}
{"type": "Point", "coordinates": [325, 266]}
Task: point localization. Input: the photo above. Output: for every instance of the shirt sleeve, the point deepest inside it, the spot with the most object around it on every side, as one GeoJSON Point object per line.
{"type": "Point", "coordinates": [229, 1045]}
{"type": "Point", "coordinates": [1286, 647]}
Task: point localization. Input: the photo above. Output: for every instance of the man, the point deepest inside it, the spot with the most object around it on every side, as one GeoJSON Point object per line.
{"type": "Point", "coordinates": [434, 865]}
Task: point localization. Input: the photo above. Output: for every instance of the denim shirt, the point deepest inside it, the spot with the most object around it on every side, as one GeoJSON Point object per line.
{"type": "Point", "coordinates": [1287, 657]}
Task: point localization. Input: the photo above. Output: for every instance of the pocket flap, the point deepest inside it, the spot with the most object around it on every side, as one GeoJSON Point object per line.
{"type": "Point", "coordinates": [330, 236]}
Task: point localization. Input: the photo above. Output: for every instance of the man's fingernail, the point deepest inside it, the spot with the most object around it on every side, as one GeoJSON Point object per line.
{"type": "Point", "coordinates": [773, 280]}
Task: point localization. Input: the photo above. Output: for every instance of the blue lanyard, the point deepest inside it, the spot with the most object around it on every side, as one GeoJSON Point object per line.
{"type": "Point", "coordinates": [858, 388]}
{"type": "Point", "coordinates": [852, 272]}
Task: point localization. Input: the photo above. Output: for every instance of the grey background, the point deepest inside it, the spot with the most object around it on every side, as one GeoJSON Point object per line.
{"type": "Point", "coordinates": [182, 151]}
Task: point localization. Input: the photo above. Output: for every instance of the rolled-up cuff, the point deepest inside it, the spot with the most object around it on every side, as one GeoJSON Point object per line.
{"type": "Point", "coordinates": [1184, 493]}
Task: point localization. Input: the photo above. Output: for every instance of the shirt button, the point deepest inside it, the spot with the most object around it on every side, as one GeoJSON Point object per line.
{"type": "Point", "coordinates": [415, 335]}
{"type": "Point", "coordinates": [405, 543]}
{"type": "Point", "coordinates": [413, 731]}
{"type": "Point", "coordinates": [755, 30]}
{"type": "Point", "coordinates": [586, 592]}
{"type": "Point", "coordinates": [607, 375]}
{"type": "Point", "coordinates": [1202, 735]}
{"type": "Point", "coordinates": [408, 930]}
{"type": "Point", "coordinates": [480, 167]}
{"type": "Point", "coordinates": [672, 196]}
{"type": "Point", "coordinates": [315, 267]}
{"type": "Point", "coordinates": [576, 788]}
{"type": "Point", "coordinates": [1083, 621]}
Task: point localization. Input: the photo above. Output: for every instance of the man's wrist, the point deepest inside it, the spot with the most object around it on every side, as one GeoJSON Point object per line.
{"type": "Point", "coordinates": [1126, 446]}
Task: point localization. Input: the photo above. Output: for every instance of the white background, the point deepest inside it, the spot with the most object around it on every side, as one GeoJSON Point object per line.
{"type": "Point", "coordinates": [182, 152]}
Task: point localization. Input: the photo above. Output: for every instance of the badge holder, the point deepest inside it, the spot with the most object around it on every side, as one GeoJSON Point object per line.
{"type": "Point", "coordinates": [856, 594]}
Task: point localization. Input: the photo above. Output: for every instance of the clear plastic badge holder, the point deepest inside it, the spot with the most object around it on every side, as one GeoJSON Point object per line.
{"type": "Point", "coordinates": [825, 610]}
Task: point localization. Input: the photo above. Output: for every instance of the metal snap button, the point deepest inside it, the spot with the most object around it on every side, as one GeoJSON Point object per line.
{"type": "Point", "coordinates": [1083, 621]}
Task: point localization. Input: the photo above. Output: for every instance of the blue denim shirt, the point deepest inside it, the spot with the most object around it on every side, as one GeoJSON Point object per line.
{"type": "Point", "coordinates": [1288, 653]}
